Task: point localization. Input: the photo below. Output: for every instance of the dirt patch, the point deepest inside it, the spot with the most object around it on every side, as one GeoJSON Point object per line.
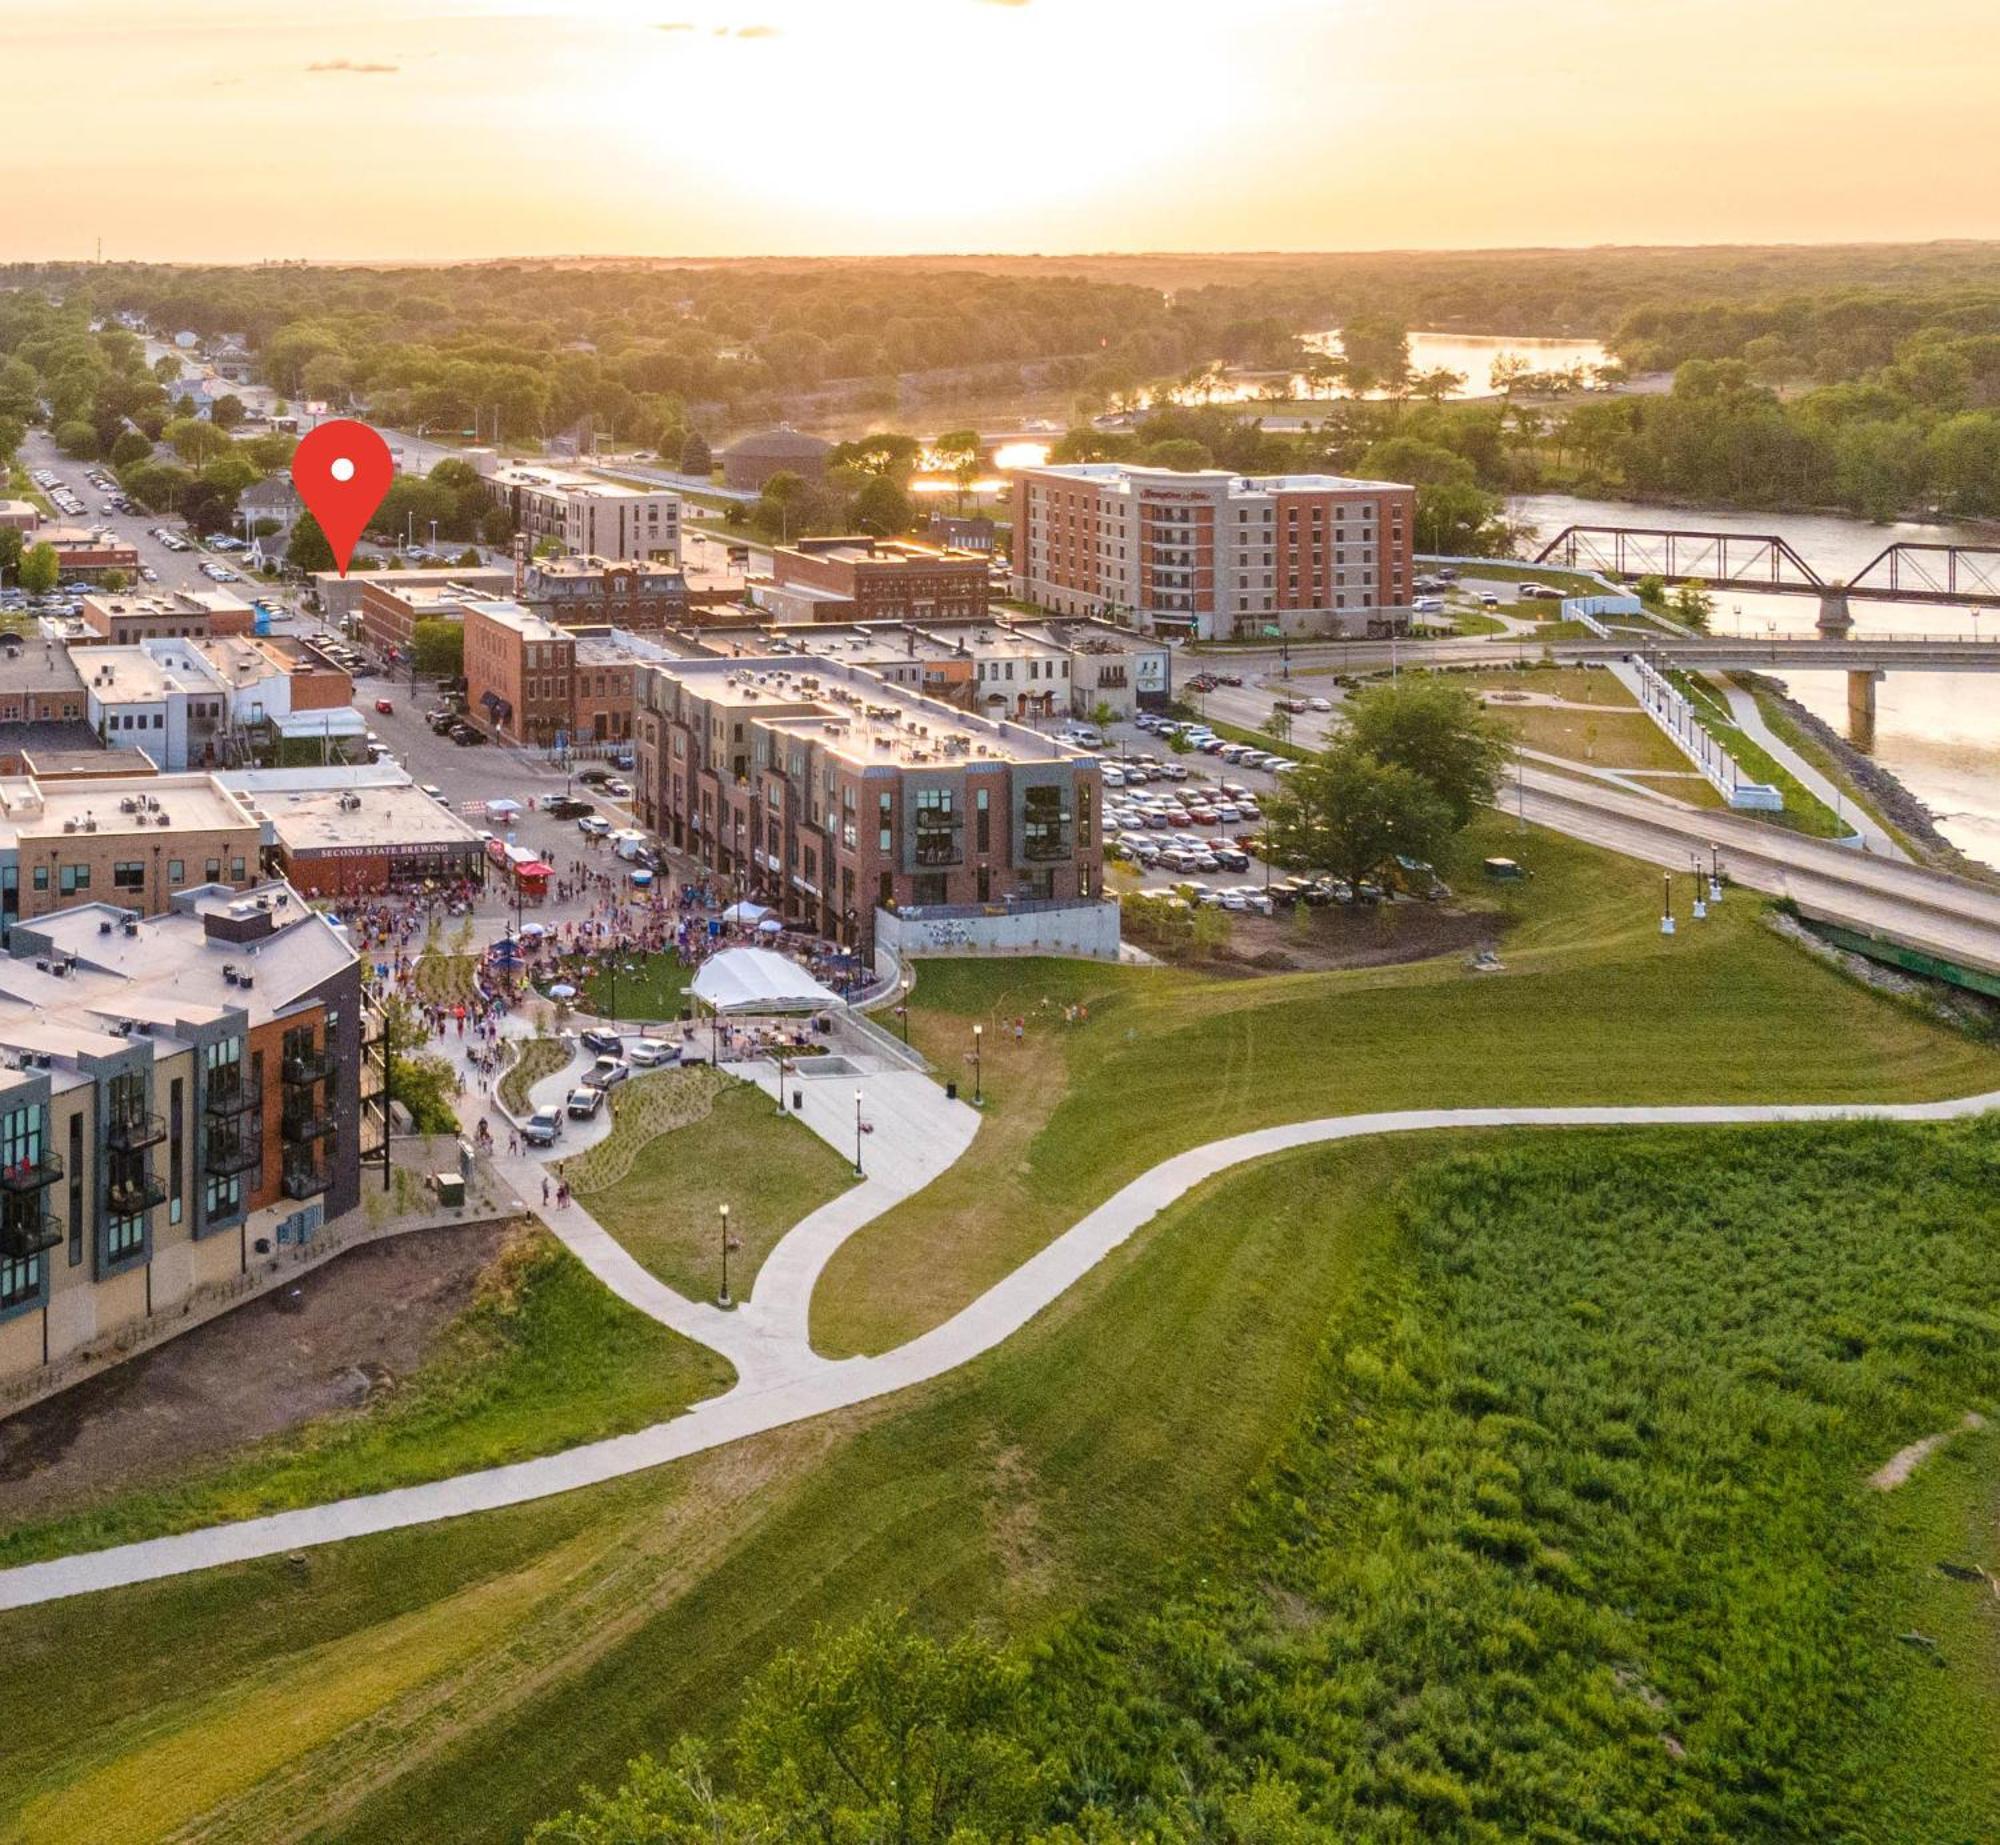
{"type": "Point", "coordinates": [1358, 937]}
{"type": "Point", "coordinates": [324, 1342]}
{"type": "Point", "coordinates": [1905, 1461]}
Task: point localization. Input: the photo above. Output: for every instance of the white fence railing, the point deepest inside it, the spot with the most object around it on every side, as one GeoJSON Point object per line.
{"type": "Point", "coordinates": [1674, 713]}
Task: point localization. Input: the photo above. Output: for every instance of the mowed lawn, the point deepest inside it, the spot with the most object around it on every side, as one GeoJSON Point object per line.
{"type": "Point", "coordinates": [1593, 1006]}
{"type": "Point", "coordinates": [663, 1196]}
{"type": "Point", "coordinates": [456, 1682]}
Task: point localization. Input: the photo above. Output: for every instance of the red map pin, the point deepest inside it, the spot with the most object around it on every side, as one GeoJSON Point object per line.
{"type": "Point", "coordinates": [342, 469]}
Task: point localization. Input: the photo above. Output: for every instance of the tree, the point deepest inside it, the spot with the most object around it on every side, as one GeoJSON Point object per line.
{"type": "Point", "coordinates": [437, 649]}
{"type": "Point", "coordinates": [13, 432]}
{"type": "Point", "coordinates": [12, 544]}
{"type": "Point", "coordinates": [1279, 723]}
{"type": "Point", "coordinates": [1439, 732]}
{"type": "Point", "coordinates": [40, 570]}
{"type": "Point", "coordinates": [309, 549]}
{"type": "Point", "coordinates": [194, 441]}
{"type": "Point", "coordinates": [879, 1733]}
{"type": "Point", "coordinates": [114, 580]}
{"type": "Point", "coordinates": [227, 411]}
{"type": "Point", "coordinates": [167, 368]}
{"type": "Point", "coordinates": [130, 446]}
{"type": "Point", "coordinates": [958, 453]}
{"type": "Point", "coordinates": [470, 558]}
{"type": "Point", "coordinates": [1347, 812]}
{"type": "Point", "coordinates": [881, 508]}
{"type": "Point", "coordinates": [1692, 605]}
{"type": "Point", "coordinates": [1457, 519]}
{"type": "Point", "coordinates": [77, 439]}
{"type": "Point", "coordinates": [1183, 454]}
{"type": "Point", "coordinates": [696, 457]}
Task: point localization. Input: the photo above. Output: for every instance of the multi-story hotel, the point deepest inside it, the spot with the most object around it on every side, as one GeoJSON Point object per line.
{"type": "Point", "coordinates": [819, 788]}
{"type": "Point", "coordinates": [1213, 555]}
{"type": "Point", "coordinates": [178, 1094]}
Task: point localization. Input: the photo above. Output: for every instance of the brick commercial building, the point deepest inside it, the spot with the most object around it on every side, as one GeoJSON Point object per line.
{"type": "Point", "coordinates": [137, 843]}
{"type": "Point", "coordinates": [39, 683]}
{"type": "Point", "coordinates": [588, 515]}
{"type": "Point", "coordinates": [1213, 555]}
{"type": "Point", "coordinates": [874, 579]}
{"type": "Point", "coordinates": [529, 681]}
{"type": "Point", "coordinates": [124, 619]}
{"type": "Point", "coordinates": [343, 838]}
{"type": "Point", "coordinates": [19, 516]}
{"type": "Point", "coordinates": [601, 592]}
{"type": "Point", "coordinates": [391, 607]}
{"type": "Point", "coordinates": [177, 1094]}
{"type": "Point", "coordinates": [81, 553]}
{"type": "Point", "coordinates": [819, 788]}
{"type": "Point", "coordinates": [749, 464]}
{"type": "Point", "coordinates": [340, 596]}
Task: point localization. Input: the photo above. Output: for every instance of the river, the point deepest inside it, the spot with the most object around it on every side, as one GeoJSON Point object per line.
{"type": "Point", "coordinates": [1939, 733]}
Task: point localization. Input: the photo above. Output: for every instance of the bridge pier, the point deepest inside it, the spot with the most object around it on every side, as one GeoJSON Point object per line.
{"type": "Point", "coordinates": [1861, 681]}
{"type": "Point", "coordinates": [1836, 619]}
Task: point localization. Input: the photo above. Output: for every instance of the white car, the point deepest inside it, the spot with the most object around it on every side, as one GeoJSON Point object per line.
{"type": "Point", "coordinates": [1320, 704]}
{"type": "Point", "coordinates": [651, 1053]}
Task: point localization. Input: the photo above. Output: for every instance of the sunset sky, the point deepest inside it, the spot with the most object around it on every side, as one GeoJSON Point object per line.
{"type": "Point", "coordinates": [243, 129]}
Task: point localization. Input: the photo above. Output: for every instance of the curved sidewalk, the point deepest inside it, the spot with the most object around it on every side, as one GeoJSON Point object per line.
{"type": "Point", "coordinates": [998, 1313]}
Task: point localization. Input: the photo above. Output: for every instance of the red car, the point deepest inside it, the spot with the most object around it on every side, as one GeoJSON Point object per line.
{"type": "Point", "coordinates": [387, 706]}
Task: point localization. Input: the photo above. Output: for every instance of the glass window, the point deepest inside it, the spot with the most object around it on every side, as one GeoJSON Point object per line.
{"type": "Point", "coordinates": [1045, 823]}
{"type": "Point", "coordinates": [937, 828]}
{"type": "Point", "coordinates": [176, 871]}
{"type": "Point", "coordinates": [129, 874]}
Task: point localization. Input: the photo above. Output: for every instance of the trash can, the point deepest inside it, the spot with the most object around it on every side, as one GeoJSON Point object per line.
{"type": "Point", "coordinates": [951, 1092]}
{"type": "Point", "coordinates": [798, 1100]}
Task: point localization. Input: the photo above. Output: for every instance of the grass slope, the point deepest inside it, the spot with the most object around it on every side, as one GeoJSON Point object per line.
{"type": "Point", "coordinates": [1595, 1007]}
{"type": "Point", "coordinates": [543, 1359]}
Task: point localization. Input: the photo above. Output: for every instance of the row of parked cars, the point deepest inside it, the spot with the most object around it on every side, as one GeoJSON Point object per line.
{"type": "Point", "coordinates": [617, 1058]}
{"type": "Point", "coordinates": [1197, 736]}
{"type": "Point", "coordinates": [61, 497]}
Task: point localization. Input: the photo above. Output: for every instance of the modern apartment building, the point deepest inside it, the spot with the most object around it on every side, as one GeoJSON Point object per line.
{"type": "Point", "coordinates": [819, 788]}
{"type": "Point", "coordinates": [588, 515]}
{"type": "Point", "coordinates": [139, 843]}
{"type": "Point", "coordinates": [1213, 555]}
{"type": "Point", "coordinates": [874, 579]}
{"type": "Point", "coordinates": [177, 1094]}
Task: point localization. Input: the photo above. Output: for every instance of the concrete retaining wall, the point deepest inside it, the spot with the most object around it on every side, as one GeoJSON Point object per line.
{"type": "Point", "coordinates": [1085, 929]}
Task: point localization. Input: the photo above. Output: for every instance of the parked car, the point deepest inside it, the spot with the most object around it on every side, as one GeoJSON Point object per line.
{"type": "Point", "coordinates": [387, 706]}
{"type": "Point", "coordinates": [594, 776]}
{"type": "Point", "coordinates": [604, 1043]}
{"type": "Point", "coordinates": [584, 1102]}
{"type": "Point", "coordinates": [651, 1053]}
{"type": "Point", "coordinates": [593, 826]}
{"type": "Point", "coordinates": [436, 793]}
{"type": "Point", "coordinates": [607, 1071]}
{"type": "Point", "coordinates": [542, 1127]}
{"type": "Point", "coordinates": [567, 807]}
{"type": "Point", "coordinates": [619, 787]}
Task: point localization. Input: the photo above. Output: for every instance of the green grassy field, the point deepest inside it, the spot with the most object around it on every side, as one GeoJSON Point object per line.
{"type": "Point", "coordinates": [659, 1195]}
{"type": "Point", "coordinates": [457, 1682]}
{"type": "Point", "coordinates": [1594, 1006]}
{"type": "Point", "coordinates": [543, 1358]}
{"type": "Point", "coordinates": [641, 987]}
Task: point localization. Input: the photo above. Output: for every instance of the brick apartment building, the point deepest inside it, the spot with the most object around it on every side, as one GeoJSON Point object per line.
{"type": "Point", "coordinates": [531, 682]}
{"type": "Point", "coordinates": [600, 592]}
{"type": "Point", "coordinates": [821, 789]}
{"type": "Point", "coordinates": [874, 579]}
{"type": "Point", "coordinates": [1213, 555]}
{"type": "Point", "coordinates": [340, 596]}
{"type": "Point", "coordinates": [178, 1093]}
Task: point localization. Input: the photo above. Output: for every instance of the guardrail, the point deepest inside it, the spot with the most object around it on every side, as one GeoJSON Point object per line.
{"type": "Point", "coordinates": [1675, 714]}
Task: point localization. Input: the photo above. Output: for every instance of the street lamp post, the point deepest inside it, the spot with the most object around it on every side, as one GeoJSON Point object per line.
{"type": "Point", "coordinates": [722, 1299]}
{"type": "Point", "coordinates": [1667, 913]}
{"type": "Point", "coordinates": [903, 1006]}
{"type": "Point", "coordinates": [781, 1079]}
{"type": "Point", "coordinates": [1715, 874]}
{"type": "Point", "coordinates": [978, 1041]}
{"type": "Point", "coordinates": [1700, 908]}
{"type": "Point", "coordinates": [857, 1134]}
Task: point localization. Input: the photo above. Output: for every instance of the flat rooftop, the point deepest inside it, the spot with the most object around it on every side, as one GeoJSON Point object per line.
{"type": "Point", "coordinates": [524, 621]}
{"type": "Point", "coordinates": [589, 565]}
{"type": "Point", "coordinates": [38, 666]}
{"type": "Point", "coordinates": [1125, 476]}
{"type": "Point", "coordinates": [544, 479]}
{"type": "Point", "coordinates": [139, 675]}
{"type": "Point", "coordinates": [167, 604]}
{"type": "Point", "coordinates": [166, 970]}
{"type": "Point", "coordinates": [152, 804]}
{"type": "Point", "coordinates": [843, 708]}
{"type": "Point", "coordinates": [325, 819]}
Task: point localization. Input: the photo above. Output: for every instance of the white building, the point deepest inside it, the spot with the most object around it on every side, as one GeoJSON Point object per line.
{"type": "Point", "coordinates": [1214, 555]}
{"type": "Point", "coordinates": [588, 515]}
{"type": "Point", "coordinates": [176, 699]}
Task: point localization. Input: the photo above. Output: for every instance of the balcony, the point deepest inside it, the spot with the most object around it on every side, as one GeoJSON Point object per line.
{"type": "Point", "coordinates": [229, 1096]}
{"type": "Point", "coordinates": [305, 1178]}
{"type": "Point", "coordinates": [307, 1124]}
{"type": "Point", "coordinates": [128, 1197]}
{"type": "Point", "coordinates": [313, 1067]}
{"type": "Point", "coordinates": [27, 1230]}
{"type": "Point", "coordinates": [134, 1130]}
{"type": "Point", "coordinates": [227, 1153]}
{"type": "Point", "coordinates": [31, 1174]}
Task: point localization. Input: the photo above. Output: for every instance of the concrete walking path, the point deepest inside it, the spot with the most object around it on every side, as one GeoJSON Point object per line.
{"type": "Point", "coordinates": [1743, 707]}
{"type": "Point", "coordinates": [1002, 1310]}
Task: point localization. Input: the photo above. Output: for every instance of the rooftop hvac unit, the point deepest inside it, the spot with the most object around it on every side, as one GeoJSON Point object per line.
{"type": "Point", "coordinates": [69, 826]}
{"type": "Point", "coordinates": [104, 927]}
{"type": "Point", "coordinates": [89, 824]}
{"type": "Point", "coordinates": [249, 978]}
{"type": "Point", "coordinates": [128, 805]}
{"type": "Point", "coordinates": [131, 925]}
{"type": "Point", "coordinates": [162, 820]}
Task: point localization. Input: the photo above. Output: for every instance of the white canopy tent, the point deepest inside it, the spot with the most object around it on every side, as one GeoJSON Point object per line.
{"type": "Point", "coordinates": [745, 913]}
{"type": "Point", "coordinates": [756, 980]}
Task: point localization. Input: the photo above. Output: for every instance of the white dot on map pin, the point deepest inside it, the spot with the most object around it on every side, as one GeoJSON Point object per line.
{"type": "Point", "coordinates": [342, 469]}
